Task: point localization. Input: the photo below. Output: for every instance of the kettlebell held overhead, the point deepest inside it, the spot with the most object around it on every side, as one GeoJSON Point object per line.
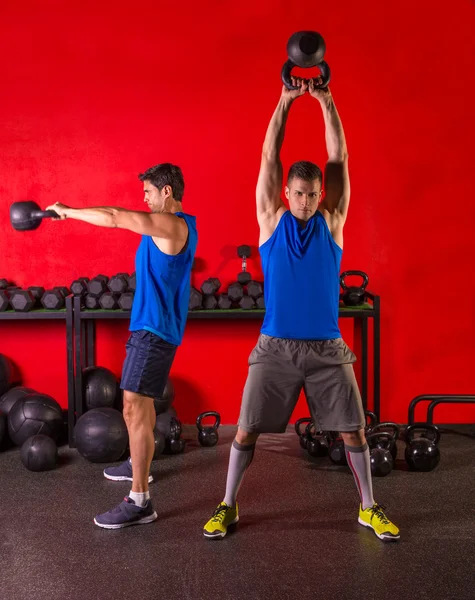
{"type": "Point", "coordinates": [305, 49]}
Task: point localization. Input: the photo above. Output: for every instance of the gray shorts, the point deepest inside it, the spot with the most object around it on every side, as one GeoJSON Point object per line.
{"type": "Point", "coordinates": [279, 369]}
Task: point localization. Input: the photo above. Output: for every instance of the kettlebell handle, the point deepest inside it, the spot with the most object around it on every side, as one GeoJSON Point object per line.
{"type": "Point", "coordinates": [382, 435]}
{"type": "Point", "coordinates": [410, 430]}
{"type": "Point", "coordinates": [210, 413]}
{"type": "Point", "coordinates": [360, 273]}
{"type": "Point", "coordinates": [381, 426]}
{"type": "Point", "coordinates": [286, 75]}
{"type": "Point", "coordinates": [300, 422]}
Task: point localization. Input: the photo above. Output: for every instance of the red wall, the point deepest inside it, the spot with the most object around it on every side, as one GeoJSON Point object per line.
{"type": "Point", "coordinates": [93, 94]}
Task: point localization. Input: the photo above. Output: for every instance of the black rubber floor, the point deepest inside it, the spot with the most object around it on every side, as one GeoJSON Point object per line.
{"type": "Point", "coordinates": [298, 537]}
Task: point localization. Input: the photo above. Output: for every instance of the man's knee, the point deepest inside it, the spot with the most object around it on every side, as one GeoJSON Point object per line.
{"type": "Point", "coordinates": [243, 438]}
{"type": "Point", "coordinates": [135, 407]}
{"type": "Point", "coordinates": [354, 438]}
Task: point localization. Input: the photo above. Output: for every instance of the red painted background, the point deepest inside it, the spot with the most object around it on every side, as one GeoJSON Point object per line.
{"type": "Point", "coordinates": [94, 93]}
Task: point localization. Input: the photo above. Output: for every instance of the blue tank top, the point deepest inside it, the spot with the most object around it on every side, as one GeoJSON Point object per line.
{"type": "Point", "coordinates": [163, 286]}
{"type": "Point", "coordinates": [301, 280]}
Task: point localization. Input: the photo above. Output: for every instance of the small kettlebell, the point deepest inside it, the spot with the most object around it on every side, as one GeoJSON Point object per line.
{"type": "Point", "coordinates": [381, 459]}
{"type": "Point", "coordinates": [302, 434]}
{"type": "Point", "coordinates": [208, 436]}
{"type": "Point", "coordinates": [393, 435]}
{"type": "Point", "coordinates": [317, 441]}
{"type": "Point", "coordinates": [337, 452]}
{"type": "Point", "coordinates": [354, 295]}
{"type": "Point", "coordinates": [305, 49]}
{"type": "Point", "coordinates": [422, 453]}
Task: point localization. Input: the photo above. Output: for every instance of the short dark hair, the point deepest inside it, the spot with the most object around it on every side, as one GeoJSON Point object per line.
{"type": "Point", "coordinates": [305, 170]}
{"type": "Point", "coordinates": [166, 174]}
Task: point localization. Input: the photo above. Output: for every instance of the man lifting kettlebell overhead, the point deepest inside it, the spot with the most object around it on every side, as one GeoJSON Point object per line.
{"type": "Point", "coordinates": [300, 344]}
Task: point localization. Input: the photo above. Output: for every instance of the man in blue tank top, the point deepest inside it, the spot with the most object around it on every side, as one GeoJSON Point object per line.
{"type": "Point", "coordinates": [163, 270]}
{"type": "Point", "coordinates": [300, 345]}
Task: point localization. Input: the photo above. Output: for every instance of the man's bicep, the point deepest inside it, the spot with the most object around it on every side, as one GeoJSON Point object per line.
{"type": "Point", "coordinates": [337, 187]}
{"type": "Point", "coordinates": [269, 186]}
{"type": "Point", "coordinates": [164, 226]}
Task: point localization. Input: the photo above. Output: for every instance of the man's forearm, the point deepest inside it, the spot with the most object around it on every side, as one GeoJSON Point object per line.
{"type": "Point", "coordinates": [276, 130]}
{"type": "Point", "coordinates": [334, 134]}
{"type": "Point", "coordinates": [101, 216]}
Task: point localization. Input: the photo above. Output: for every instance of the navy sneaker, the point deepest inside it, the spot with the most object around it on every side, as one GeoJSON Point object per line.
{"type": "Point", "coordinates": [125, 514]}
{"type": "Point", "coordinates": [122, 473]}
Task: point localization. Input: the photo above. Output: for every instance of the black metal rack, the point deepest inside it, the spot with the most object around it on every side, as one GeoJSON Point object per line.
{"type": "Point", "coordinates": [85, 340]}
{"type": "Point", "coordinates": [65, 314]}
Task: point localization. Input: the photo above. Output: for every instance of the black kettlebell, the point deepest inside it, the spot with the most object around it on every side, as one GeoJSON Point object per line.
{"type": "Point", "coordinates": [422, 453]}
{"type": "Point", "coordinates": [208, 436]}
{"type": "Point", "coordinates": [373, 420]}
{"type": "Point", "coordinates": [176, 443]}
{"type": "Point", "coordinates": [317, 441]}
{"type": "Point", "coordinates": [26, 216]}
{"type": "Point", "coordinates": [305, 49]}
{"type": "Point", "coordinates": [354, 295]}
{"type": "Point", "coordinates": [302, 434]}
{"type": "Point", "coordinates": [393, 433]}
{"type": "Point", "coordinates": [336, 451]}
{"type": "Point", "coordinates": [380, 456]}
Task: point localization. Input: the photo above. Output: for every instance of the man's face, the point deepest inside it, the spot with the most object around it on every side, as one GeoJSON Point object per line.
{"type": "Point", "coordinates": [304, 197]}
{"type": "Point", "coordinates": [155, 198]}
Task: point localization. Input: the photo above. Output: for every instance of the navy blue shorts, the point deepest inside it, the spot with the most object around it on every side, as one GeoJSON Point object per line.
{"type": "Point", "coordinates": [147, 363]}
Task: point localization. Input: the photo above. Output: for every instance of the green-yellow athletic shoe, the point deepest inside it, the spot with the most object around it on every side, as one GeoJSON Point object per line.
{"type": "Point", "coordinates": [224, 516]}
{"type": "Point", "coordinates": [376, 519]}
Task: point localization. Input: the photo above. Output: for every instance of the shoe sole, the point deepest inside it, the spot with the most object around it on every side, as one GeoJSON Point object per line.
{"type": "Point", "coordinates": [220, 534]}
{"type": "Point", "coordinates": [123, 478]}
{"type": "Point", "coordinates": [382, 536]}
{"type": "Point", "coordinates": [142, 521]}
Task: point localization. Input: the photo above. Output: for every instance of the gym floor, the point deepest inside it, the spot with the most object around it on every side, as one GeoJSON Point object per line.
{"type": "Point", "coordinates": [298, 537]}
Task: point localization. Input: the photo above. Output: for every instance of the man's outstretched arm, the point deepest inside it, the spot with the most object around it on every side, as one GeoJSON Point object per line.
{"type": "Point", "coordinates": [160, 225]}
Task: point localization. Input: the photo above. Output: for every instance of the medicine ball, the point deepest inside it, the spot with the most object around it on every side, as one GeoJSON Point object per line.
{"type": "Point", "coordinates": [101, 435]}
{"type": "Point", "coordinates": [9, 398]}
{"type": "Point", "coordinates": [163, 403]}
{"type": "Point", "coordinates": [39, 453]}
{"type": "Point", "coordinates": [99, 388]}
{"type": "Point", "coordinates": [34, 414]}
{"type": "Point", "coordinates": [6, 374]}
{"type": "Point", "coordinates": [3, 427]}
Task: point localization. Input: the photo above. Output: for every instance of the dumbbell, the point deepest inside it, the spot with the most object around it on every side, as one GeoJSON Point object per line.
{"type": "Point", "coordinates": [209, 288]}
{"type": "Point", "coordinates": [26, 300]}
{"type": "Point", "coordinates": [422, 453]}
{"type": "Point", "coordinates": [132, 282]}
{"type": "Point", "coordinates": [26, 216]}
{"type": "Point", "coordinates": [196, 299]}
{"type": "Point", "coordinates": [126, 300]}
{"type": "Point", "coordinates": [208, 436]}
{"type": "Point", "coordinates": [54, 299]}
{"type": "Point", "coordinates": [224, 302]}
{"type": "Point", "coordinates": [79, 286]}
{"type": "Point", "coordinates": [244, 252]}
{"type": "Point", "coordinates": [97, 286]}
{"type": "Point", "coordinates": [4, 284]}
{"type": "Point", "coordinates": [109, 301]}
{"type": "Point", "coordinates": [380, 455]}
{"type": "Point", "coordinates": [118, 284]}
{"type": "Point", "coordinates": [4, 300]}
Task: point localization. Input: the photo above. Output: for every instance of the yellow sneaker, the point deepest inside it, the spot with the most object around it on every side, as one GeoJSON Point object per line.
{"type": "Point", "coordinates": [224, 516]}
{"type": "Point", "coordinates": [376, 519]}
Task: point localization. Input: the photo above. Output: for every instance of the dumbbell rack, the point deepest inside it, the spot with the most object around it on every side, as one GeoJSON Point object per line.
{"type": "Point", "coordinates": [84, 327]}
